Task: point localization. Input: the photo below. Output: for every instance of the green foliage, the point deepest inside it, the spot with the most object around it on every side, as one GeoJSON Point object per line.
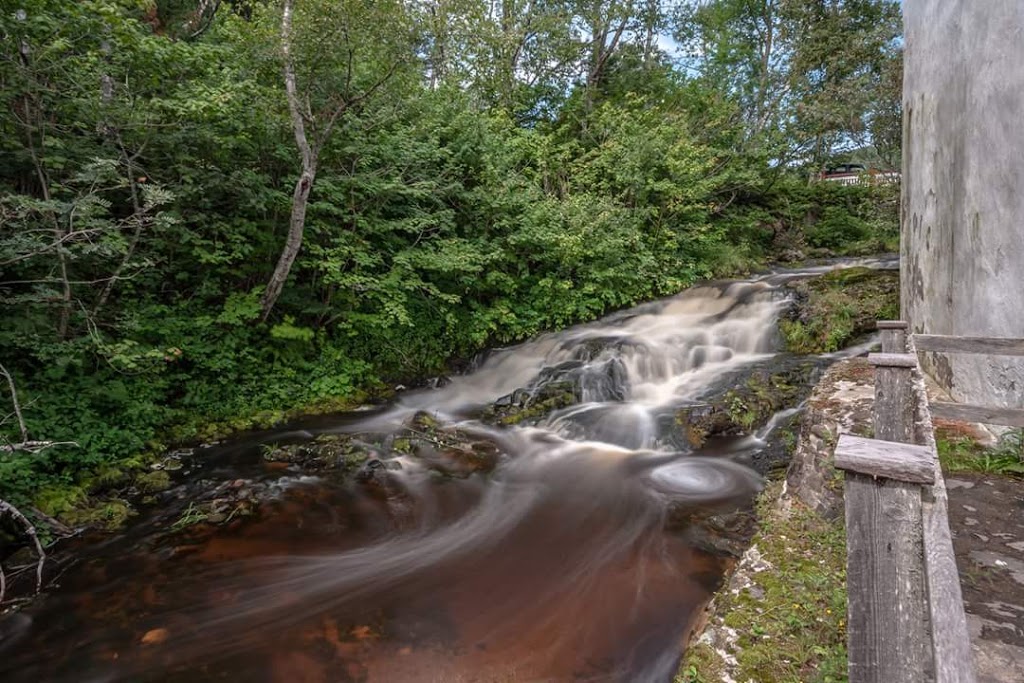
{"type": "Point", "coordinates": [790, 624]}
{"type": "Point", "coordinates": [480, 196]}
{"type": "Point", "coordinates": [835, 308]}
{"type": "Point", "coordinates": [811, 79]}
{"type": "Point", "coordinates": [961, 453]}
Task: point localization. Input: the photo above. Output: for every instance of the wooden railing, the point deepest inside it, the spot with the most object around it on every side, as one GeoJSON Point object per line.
{"type": "Point", "coordinates": [906, 620]}
{"type": "Point", "coordinates": [989, 346]}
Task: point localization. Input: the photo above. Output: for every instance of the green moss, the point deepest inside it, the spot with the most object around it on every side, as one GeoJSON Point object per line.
{"type": "Point", "coordinates": [523, 406]}
{"type": "Point", "coordinates": [792, 628]}
{"type": "Point", "coordinates": [834, 309]}
{"type": "Point", "coordinates": [55, 500]}
{"type": "Point", "coordinates": [109, 476]}
{"type": "Point", "coordinates": [744, 408]}
{"type": "Point", "coordinates": [538, 409]}
{"type": "Point", "coordinates": [151, 482]}
{"type": "Point", "coordinates": [103, 514]}
{"type": "Point", "coordinates": [73, 506]}
{"type": "Point", "coordinates": [702, 665]}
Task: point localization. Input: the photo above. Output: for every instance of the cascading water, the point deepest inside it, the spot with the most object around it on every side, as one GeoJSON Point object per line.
{"type": "Point", "coordinates": [559, 565]}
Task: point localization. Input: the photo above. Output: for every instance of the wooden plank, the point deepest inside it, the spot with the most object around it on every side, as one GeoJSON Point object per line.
{"type": "Point", "coordinates": [893, 360]}
{"type": "Point", "coordinates": [951, 642]}
{"type": "Point", "coordinates": [873, 457]}
{"type": "Point", "coordinates": [1010, 417]}
{"type": "Point", "coordinates": [992, 346]}
{"type": "Point", "coordinates": [887, 630]}
{"type": "Point", "coordinates": [893, 409]}
{"type": "Point", "coordinates": [892, 325]}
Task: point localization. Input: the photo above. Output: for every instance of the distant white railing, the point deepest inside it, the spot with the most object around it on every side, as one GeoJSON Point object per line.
{"type": "Point", "coordinates": [865, 178]}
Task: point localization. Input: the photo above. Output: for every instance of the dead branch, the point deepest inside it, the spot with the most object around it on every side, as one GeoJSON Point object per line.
{"type": "Point", "coordinates": [14, 400]}
{"type": "Point", "coordinates": [62, 529]}
{"type": "Point", "coordinates": [30, 531]}
{"type": "Point", "coordinates": [34, 447]}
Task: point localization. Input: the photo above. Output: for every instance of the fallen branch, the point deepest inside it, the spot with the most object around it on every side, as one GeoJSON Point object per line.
{"type": "Point", "coordinates": [34, 446]}
{"type": "Point", "coordinates": [30, 531]}
{"type": "Point", "coordinates": [59, 527]}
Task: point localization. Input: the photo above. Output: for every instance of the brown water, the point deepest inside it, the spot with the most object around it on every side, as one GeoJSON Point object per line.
{"type": "Point", "coordinates": [571, 561]}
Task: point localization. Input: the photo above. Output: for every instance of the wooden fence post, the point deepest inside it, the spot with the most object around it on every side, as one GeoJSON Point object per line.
{"type": "Point", "coordinates": [894, 400]}
{"type": "Point", "coordinates": [894, 335]}
{"type": "Point", "coordinates": [887, 630]}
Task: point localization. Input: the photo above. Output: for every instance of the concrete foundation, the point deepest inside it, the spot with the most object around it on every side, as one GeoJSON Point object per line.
{"type": "Point", "coordinates": [963, 187]}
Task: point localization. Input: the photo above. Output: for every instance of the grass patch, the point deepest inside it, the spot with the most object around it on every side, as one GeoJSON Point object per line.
{"type": "Point", "coordinates": [834, 309]}
{"type": "Point", "coordinates": [791, 624]}
{"type": "Point", "coordinates": [961, 453]}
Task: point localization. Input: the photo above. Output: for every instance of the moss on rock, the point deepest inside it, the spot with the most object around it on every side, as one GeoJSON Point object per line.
{"type": "Point", "coordinates": [152, 482]}
{"type": "Point", "coordinates": [524, 407]}
{"type": "Point", "coordinates": [782, 617]}
{"type": "Point", "coordinates": [832, 310]}
{"type": "Point", "coordinates": [747, 405]}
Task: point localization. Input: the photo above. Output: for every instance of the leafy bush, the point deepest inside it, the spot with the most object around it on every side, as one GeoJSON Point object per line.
{"type": "Point", "coordinates": [138, 228]}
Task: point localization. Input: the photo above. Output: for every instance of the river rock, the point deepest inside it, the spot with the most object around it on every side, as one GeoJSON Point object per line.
{"type": "Point", "coordinates": [830, 312]}
{"type": "Point", "coordinates": [746, 400]}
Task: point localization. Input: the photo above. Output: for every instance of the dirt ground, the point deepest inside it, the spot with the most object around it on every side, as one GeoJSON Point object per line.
{"type": "Point", "coordinates": [986, 517]}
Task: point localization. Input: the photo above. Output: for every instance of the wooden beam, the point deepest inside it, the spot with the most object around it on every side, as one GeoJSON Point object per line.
{"type": "Point", "coordinates": [893, 410]}
{"type": "Point", "coordinates": [892, 460]}
{"type": "Point", "coordinates": [892, 324]}
{"type": "Point", "coordinates": [1010, 417]}
{"type": "Point", "coordinates": [893, 360]}
{"type": "Point", "coordinates": [887, 628]}
{"type": "Point", "coordinates": [951, 641]}
{"type": "Point", "coordinates": [991, 346]}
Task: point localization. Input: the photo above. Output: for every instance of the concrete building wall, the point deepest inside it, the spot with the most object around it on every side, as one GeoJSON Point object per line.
{"type": "Point", "coordinates": [963, 186]}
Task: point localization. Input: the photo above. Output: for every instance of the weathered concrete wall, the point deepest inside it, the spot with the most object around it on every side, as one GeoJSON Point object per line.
{"type": "Point", "coordinates": [963, 186]}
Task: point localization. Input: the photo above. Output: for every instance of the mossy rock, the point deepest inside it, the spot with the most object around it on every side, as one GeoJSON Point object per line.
{"type": "Point", "coordinates": [108, 514]}
{"type": "Point", "coordinates": [833, 310]}
{"type": "Point", "coordinates": [153, 482]}
{"type": "Point", "coordinates": [747, 405]}
{"type": "Point", "coordinates": [524, 407]}
{"type": "Point", "coordinates": [326, 452]}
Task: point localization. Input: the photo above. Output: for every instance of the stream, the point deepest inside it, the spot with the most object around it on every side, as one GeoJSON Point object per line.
{"type": "Point", "coordinates": [569, 546]}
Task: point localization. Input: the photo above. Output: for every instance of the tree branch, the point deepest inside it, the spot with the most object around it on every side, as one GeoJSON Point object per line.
{"type": "Point", "coordinates": [30, 531]}
{"type": "Point", "coordinates": [14, 400]}
{"type": "Point", "coordinates": [291, 89]}
{"type": "Point", "coordinates": [35, 447]}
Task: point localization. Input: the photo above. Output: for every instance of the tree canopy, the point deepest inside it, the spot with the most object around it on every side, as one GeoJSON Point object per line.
{"type": "Point", "coordinates": [217, 210]}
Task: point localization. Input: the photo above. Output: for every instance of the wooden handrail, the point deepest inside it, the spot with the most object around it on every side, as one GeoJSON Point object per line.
{"type": "Point", "coordinates": [963, 412]}
{"type": "Point", "coordinates": [906, 620]}
{"type": "Point", "coordinates": [990, 346]}
{"type": "Point", "coordinates": [896, 341]}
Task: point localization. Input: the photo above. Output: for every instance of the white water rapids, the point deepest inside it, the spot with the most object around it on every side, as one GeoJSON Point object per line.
{"type": "Point", "coordinates": [561, 564]}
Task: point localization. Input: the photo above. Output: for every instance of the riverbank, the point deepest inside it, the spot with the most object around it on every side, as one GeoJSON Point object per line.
{"type": "Point", "coordinates": [781, 616]}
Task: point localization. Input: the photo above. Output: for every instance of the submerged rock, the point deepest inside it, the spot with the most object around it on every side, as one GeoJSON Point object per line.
{"type": "Point", "coordinates": [525, 406]}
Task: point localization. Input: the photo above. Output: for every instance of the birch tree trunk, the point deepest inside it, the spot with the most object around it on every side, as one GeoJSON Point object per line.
{"type": "Point", "coordinates": [300, 197]}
